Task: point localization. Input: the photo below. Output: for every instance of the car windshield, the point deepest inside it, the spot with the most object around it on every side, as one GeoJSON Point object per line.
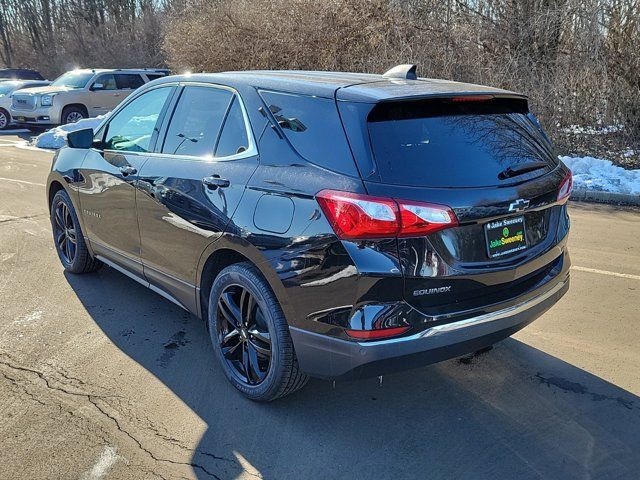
{"type": "Point", "coordinates": [72, 79]}
{"type": "Point", "coordinates": [8, 87]}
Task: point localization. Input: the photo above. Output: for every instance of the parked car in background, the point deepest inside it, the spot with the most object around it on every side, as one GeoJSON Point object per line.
{"type": "Point", "coordinates": [78, 94]}
{"type": "Point", "coordinates": [19, 74]}
{"type": "Point", "coordinates": [6, 89]}
{"type": "Point", "coordinates": [336, 225]}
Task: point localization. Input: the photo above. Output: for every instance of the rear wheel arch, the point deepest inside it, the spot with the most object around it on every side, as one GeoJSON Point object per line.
{"type": "Point", "coordinates": [222, 254]}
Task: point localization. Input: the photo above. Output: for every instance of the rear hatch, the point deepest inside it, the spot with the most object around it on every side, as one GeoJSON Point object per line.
{"type": "Point", "coordinates": [485, 157]}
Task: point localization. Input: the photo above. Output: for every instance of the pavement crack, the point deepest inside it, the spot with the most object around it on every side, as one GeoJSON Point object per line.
{"type": "Point", "coordinates": [142, 447]}
{"type": "Point", "coordinates": [94, 400]}
{"type": "Point", "coordinates": [25, 217]}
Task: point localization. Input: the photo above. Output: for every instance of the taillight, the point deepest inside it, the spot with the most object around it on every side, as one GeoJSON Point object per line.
{"type": "Point", "coordinates": [565, 187]}
{"type": "Point", "coordinates": [359, 216]}
{"type": "Point", "coordinates": [354, 216]}
{"type": "Point", "coordinates": [424, 218]}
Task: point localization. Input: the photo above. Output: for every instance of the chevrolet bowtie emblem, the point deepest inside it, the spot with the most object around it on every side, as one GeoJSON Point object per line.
{"type": "Point", "coordinates": [519, 205]}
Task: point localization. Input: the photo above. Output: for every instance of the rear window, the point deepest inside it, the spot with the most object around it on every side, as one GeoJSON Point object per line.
{"type": "Point", "coordinates": [442, 143]}
{"type": "Point", "coordinates": [313, 127]}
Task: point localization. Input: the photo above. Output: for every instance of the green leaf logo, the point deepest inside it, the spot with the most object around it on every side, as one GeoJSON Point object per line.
{"type": "Point", "coordinates": [505, 232]}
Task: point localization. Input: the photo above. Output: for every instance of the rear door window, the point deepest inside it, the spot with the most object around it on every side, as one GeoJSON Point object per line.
{"type": "Point", "coordinates": [196, 121]}
{"type": "Point", "coordinates": [442, 143]}
{"type": "Point", "coordinates": [126, 81]}
{"type": "Point", "coordinates": [313, 127]}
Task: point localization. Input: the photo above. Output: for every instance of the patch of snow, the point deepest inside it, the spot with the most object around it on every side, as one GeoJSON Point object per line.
{"type": "Point", "coordinates": [602, 175]}
{"type": "Point", "coordinates": [31, 317]}
{"type": "Point", "coordinates": [57, 137]}
{"type": "Point", "coordinates": [587, 130]}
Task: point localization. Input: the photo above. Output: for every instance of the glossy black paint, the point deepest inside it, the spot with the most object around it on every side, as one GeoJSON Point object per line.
{"type": "Point", "coordinates": [164, 226]}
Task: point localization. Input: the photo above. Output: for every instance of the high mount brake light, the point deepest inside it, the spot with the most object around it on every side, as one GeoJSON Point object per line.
{"type": "Point", "coordinates": [565, 188]}
{"type": "Point", "coordinates": [472, 98]}
{"type": "Point", "coordinates": [354, 216]}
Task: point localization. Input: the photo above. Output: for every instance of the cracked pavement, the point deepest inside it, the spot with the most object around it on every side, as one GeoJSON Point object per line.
{"type": "Point", "coordinates": [101, 378]}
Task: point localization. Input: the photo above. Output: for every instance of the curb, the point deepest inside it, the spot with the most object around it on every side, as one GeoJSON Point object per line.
{"type": "Point", "coordinates": [584, 195]}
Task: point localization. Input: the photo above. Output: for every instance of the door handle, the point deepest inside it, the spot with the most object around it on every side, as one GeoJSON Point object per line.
{"type": "Point", "coordinates": [214, 181]}
{"type": "Point", "coordinates": [128, 170]}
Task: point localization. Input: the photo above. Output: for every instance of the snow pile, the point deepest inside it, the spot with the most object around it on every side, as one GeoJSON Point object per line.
{"type": "Point", "coordinates": [57, 137]}
{"type": "Point", "coordinates": [598, 174]}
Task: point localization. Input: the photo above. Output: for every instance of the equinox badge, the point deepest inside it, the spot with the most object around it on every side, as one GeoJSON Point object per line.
{"type": "Point", "coordinates": [431, 291]}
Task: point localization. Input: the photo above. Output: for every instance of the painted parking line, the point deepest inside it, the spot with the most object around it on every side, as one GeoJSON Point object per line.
{"type": "Point", "coordinates": [21, 181]}
{"type": "Point", "coordinates": [606, 272]}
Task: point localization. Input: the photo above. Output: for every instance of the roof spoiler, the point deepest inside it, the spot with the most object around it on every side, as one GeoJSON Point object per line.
{"type": "Point", "coordinates": [405, 72]}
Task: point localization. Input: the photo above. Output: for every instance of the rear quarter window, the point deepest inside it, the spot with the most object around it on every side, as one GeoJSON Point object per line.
{"type": "Point", "coordinates": [313, 127]}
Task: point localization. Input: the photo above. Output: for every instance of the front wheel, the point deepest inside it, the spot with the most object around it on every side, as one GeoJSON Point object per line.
{"type": "Point", "coordinates": [67, 236]}
{"type": "Point", "coordinates": [73, 115]}
{"type": "Point", "coordinates": [5, 119]}
{"type": "Point", "coordinates": [251, 336]}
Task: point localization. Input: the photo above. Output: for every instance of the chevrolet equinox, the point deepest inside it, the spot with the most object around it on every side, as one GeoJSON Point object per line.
{"type": "Point", "coordinates": [334, 225]}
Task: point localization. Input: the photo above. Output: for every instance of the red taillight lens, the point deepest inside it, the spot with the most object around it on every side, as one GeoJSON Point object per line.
{"type": "Point", "coordinates": [565, 187]}
{"type": "Point", "coordinates": [375, 334]}
{"type": "Point", "coordinates": [354, 216]}
{"type": "Point", "coordinates": [359, 216]}
{"type": "Point", "coordinates": [424, 218]}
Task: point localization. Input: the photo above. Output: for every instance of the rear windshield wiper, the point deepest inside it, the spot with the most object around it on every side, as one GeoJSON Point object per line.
{"type": "Point", "coordinates": [521, 169]}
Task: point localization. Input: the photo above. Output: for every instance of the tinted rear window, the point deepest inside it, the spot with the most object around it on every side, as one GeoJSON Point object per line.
{"type": "Point", "coordinates": [313, 127]}
{"type": "Point", "coordinates": [440, 143]}
{"type": "Point", "coordinates": [196, 121]}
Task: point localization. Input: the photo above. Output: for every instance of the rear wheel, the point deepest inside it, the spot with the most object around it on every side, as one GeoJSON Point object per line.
{"type": "Point", "coordinates": [67, 236]}
{"type": "Point", "coordinates": [5, 119]}
{"type": "Point", "coordinates": [250, 335]}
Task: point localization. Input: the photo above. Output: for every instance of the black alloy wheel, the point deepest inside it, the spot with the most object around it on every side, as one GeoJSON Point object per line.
{"type": "Point", "coordinates": [250, 335]}
{"type": "Point", "coordinates": [243, 335]}
{"type": "Point", "coordinates": [64, 233]}
{"type": "Point", "coordinates": [67, 236]}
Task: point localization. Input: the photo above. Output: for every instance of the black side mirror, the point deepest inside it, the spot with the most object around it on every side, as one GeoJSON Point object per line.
{"type": "Point", "coordinates": [80, 138]}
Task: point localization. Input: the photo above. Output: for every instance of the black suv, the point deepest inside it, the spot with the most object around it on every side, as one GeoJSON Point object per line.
{"type": "Point", "coordinates": [19, 74]}
{"type": "Point", "coordinates": [335, 225]}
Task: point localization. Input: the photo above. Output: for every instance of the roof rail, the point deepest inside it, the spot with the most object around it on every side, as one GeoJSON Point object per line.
{"type": "Point", "coordinates": [406, 71]}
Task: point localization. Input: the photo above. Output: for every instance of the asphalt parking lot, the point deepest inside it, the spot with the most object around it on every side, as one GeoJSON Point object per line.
{"type": "Point", "coordinates": [101, 378]}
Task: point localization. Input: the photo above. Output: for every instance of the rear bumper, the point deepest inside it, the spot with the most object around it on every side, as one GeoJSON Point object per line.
{"type": "Point", "coordinates": [328, 357]}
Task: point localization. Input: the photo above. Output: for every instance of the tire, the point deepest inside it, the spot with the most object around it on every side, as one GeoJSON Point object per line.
{"type": "Point", "coordinates": [282, 376]}
{"type": "Point", "coordinates": [5, 119]}
{"type": "Point", "coordinates": [72, 249]}
{"type": "Point", "coordinates": [72, 114]}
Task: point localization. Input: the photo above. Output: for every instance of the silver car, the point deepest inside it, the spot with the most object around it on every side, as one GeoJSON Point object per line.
{"type": "Point", "coordinates": [7, 87]}
{"type": "Point", "coordinates": [78, 94]}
